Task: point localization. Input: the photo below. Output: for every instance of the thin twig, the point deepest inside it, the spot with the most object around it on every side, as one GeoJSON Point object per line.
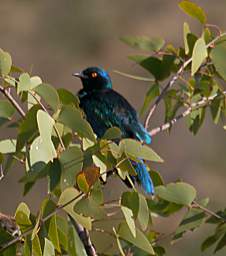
{"type": "Point", "coordinates": [207, 211]}
{"type": "Point", "coordinates": [194, 106]}
{"type": "Point", "coordinates": [12, 100]}
{"type": "Point", "coordinates": [165, 89]}
{"type": "Point", "coordinates": [172, 82]}
{"type": "Point", "coordinates": [29, 231]}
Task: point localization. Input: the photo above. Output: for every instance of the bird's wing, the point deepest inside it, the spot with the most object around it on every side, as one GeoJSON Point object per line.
{"type": "Point", "coordinates": [107, 108]}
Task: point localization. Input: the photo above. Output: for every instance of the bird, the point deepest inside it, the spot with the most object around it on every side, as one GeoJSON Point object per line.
{"type": "Point", "coordinates": [105, 108]}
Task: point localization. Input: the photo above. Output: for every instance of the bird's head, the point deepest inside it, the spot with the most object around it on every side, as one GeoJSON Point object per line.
{"type": "Point", "coordinates": [94, 78]}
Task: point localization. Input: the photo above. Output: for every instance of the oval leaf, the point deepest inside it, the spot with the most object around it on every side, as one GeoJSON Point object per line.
{"type": "Point", "coordinates": [179, 193]}
{"type": "Point", "coordinates": [193, 10]}
{"type": "Point", "coordinates": [218, 56]}
{"type": "Point", "coordinates": [199, 55]}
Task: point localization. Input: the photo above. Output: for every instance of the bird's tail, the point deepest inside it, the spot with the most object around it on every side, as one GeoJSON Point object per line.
{"type": "Point", "coordinates": [143, 177]}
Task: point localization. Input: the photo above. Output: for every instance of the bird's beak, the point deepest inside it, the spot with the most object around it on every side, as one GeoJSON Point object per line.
{"type": "Point", "coordinates": [78, 74]}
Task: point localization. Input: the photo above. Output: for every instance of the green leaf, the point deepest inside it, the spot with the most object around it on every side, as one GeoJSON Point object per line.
{"type": "Point", "coordinates": [216, 108]}
{"type": "Point", "coordinates": [22, 217]}
{"type": "Point", "coordinates": [186, 32]}
{"type": "Point", "coordinates": [90, 208]}
{"type": "Point", "coordinates": [131, 200]}
{"type": "Point", "coordinates": [140, 240]}
{"type": "Point", "coordinates": [210, 241]}
{"type": "Point", "coordinates": [67, 98]}
{"type": "Point", "coordinates": [139, 78]}
{"type": "Point", "coordinates": [6, 109]}
{"type": "Point", "coordinates": [7, 146]}
{"type": "Point", "coordinates": [221, 244]}
{"type": "Point", "coordinates": [75, 246]}
{"type": "Point", "coordinates": [179, 193]}
{"type": "Point", "coordinates": [128, 214]}
{"type": "Point", "coordinates": [150, 95]}
{"type": "Point", "coordinates": [53, 233]}
{"type": "Point", "coordinates": [143, 213]}
{"type": "Point", "coordinates": [144, 43]}
{"type": "Point", "coordinates": [193, 10]}
{"type": "Point", "coordinates": [5, 62]}
{"type": "Point", "coordinates": [27, 83]}
{"type": "Point", "coordinates": [42, 148]}
{"type": "Point", "coordinates": [67, 195]}
{"type": "Point", "coordinates": [159, 68]}
{"type": "Point", "coordinates": [71, 162]}
{"type": "Point", "coordinates": [72, 118]}
{"type": "Point", "coordinates": [62, 228]}
{"type": "Point", "coordinates": [135, 149]}
{"type": "Point", "coordinates": [49, 94]}
{"type": "Point", "coordinates": [199, 55]}
{"type": "Point", "coordinates": [10, 251]}
{"type": "Point", "coordinates": [112, 133]}
{"type": "Point", "coordinates": [218, 56]}
{"type": "Point", "coordinates": [156, 178]}
{"type": "Point", "coordinates": [36, 247]}
{"type": "Point", "coordinates": [48, 248]}
{"type": "Point", "coordinates": [192, 220]}
{"type": "Point", "coordinates": [55, 171]}
{"type": "Point", "coordinates": [28, 128]}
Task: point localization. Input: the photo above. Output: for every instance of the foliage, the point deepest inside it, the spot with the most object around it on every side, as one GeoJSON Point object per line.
{"type": "Point", "coordinates": [55, 142]}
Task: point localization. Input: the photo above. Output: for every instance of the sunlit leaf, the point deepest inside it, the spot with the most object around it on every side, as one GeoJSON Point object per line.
{"type": "Point", "coordinates": [179, 193]}
{"type": "Point", "coordinates": [135, 149]}
{"type": "Point", "coordinates": [128, 214]}
{"type": "Point", "coordinates": [140, 240]}
{"type": "Point", "coordinates": [27, 83]}
{"type": "Point", "coordinates": [8, 146]}
{"type": "Point", "coordinates": [48, 248]}
{"type": "Point", "coordinates": [42, 148]}
{"type": "Point", "coordinates": [199, 55]}
{"type": "Point", "coordinates": [143, 213]}
{"type": "Point", "coordinates": [5, 62]}
{"type": "Point", "coordinates": [193, 10]}
{"type": "Point", "coordinates": [36, 247]}
{"type": "Point", "coordinates": [186, 32]}
{"type": "Point", "coordinates": [72, 195]}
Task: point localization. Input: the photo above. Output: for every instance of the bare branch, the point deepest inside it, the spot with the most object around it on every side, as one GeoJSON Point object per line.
{"type": "Point", "coordinates": [194, 106]}
{"type": "Point", "coordinates": [172, 82]}
{"type": "Point", "coordinates": [12, 100]}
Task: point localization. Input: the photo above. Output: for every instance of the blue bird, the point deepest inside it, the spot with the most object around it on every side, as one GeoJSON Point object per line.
{"type": "Point", "coordinates": [105, 108]}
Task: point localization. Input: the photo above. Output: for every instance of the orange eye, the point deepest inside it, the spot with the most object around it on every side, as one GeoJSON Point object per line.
{"type": "Point", "coordinates": [94, 74]}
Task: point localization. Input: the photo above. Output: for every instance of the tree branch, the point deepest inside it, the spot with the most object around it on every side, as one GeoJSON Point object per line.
{"type": "Point", "coordinates": [83, 233]}
{"type": "Point", "coordinates": [194, 106]}
{"type": "Point", "coordinates": [172, 82]}
{"type": "Point", "coordinates": [12, 100]}
{"type": "Point", "coordinates": [30, 230]}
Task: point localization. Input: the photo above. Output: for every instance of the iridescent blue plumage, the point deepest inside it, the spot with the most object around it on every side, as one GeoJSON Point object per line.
{"type": "Point", "coordinates": [105, 108]}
